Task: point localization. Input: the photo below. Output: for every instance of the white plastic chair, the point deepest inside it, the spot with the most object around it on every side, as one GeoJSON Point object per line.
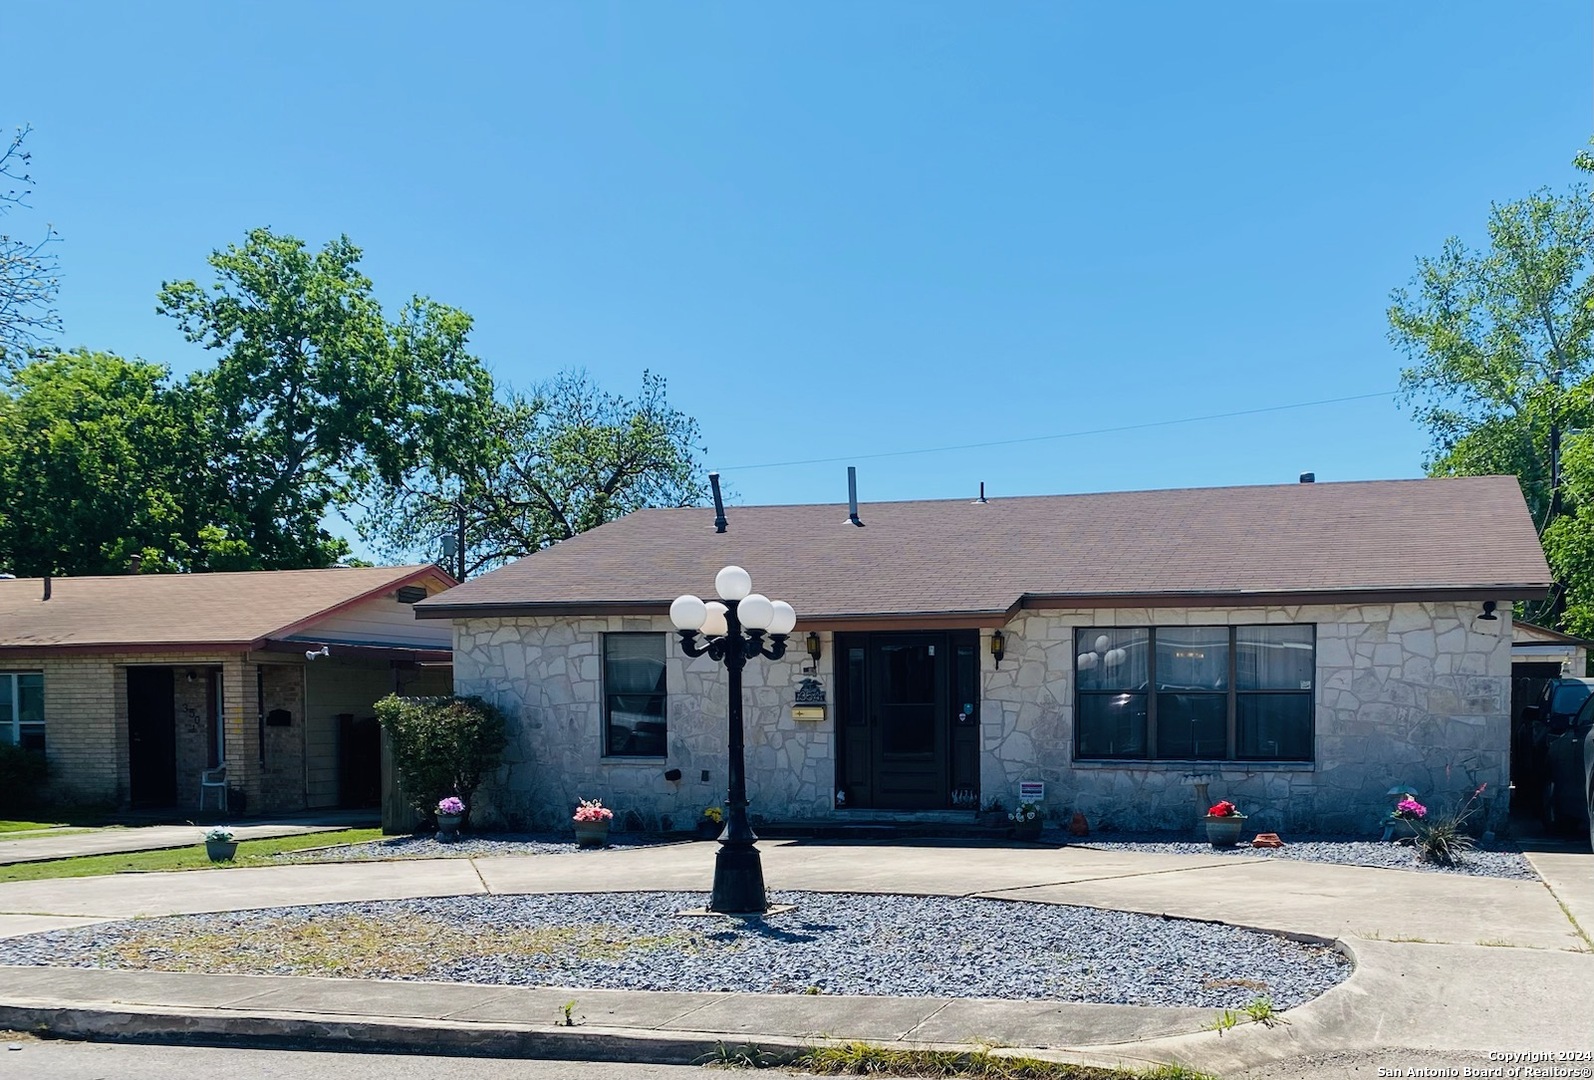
{"type": "Point", "coordinates": [214, 780]}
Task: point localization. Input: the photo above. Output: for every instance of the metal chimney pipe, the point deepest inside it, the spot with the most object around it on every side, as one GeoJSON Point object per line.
{"type": "Point", "coordinates": [47, 585]}
{"type": "Point", "coordinates": [852, 496]}
{"type": "Point", "coordinates": [135, 564]}
{"type": "Point", "coordinates": [719, 503]}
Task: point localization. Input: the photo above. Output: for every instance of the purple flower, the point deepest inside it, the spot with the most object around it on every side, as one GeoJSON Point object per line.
{"type": "Point", "coordinates": [1409, 807]}
{"type": "Point", "coordinates": [451, 805]}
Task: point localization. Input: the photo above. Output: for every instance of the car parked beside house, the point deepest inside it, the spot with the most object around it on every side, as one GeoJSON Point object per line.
{"type": "Point", "coordinates": [1569, 770]}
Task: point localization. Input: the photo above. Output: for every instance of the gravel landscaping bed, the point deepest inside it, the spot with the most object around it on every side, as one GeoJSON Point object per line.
{"type": "Point", "coordinates": [469, 845]}
{"type": "Point", "coordinates": [1487, 860]}
{"type": "Point", "coordinates": [829, 943]}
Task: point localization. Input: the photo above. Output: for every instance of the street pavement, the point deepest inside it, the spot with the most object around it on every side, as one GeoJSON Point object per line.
{"type": "Point", "coordinates": [1448, 967]}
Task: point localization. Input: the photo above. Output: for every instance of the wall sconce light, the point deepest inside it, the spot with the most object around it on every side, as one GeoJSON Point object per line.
{"type": "Point", "coordinates": [1488, 612]}
{"type": "Point", "coordinates": [815, 651]}
{"type": "Point", "coordinates": [998, 646]}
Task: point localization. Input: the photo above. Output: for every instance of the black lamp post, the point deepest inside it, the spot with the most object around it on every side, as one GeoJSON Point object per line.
{"type": "Point", "coordinates": [735, 631]}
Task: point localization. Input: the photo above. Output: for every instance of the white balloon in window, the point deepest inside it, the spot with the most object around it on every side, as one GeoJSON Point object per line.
{"type": "Point", "coordinates": [1114, 657]}
{"type": "Point", "coordinates": [1086, 661]}
{"type": "Point", "coordinates": [1103, 643]}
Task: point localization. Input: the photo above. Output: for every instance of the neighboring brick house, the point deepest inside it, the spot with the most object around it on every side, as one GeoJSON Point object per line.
{"type": "Point", "coordinates": [1295, 648]}
{"type": "Point", "coordinates": [134, 685]}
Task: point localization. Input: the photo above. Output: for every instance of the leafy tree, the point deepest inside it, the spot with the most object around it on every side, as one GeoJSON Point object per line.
{"type": "Point", "coordinates": [442, 746]}
{"type": "Point", "coordinates": [28, 267]}
{"type": "Point", "coordinates": [316, 394]}
{"type": "Point", "coordinates": [102, 458]}
{"type": "Point", "coordinates": [1501, 342]}
{"type": "Point", "coordinates": [540, 468]}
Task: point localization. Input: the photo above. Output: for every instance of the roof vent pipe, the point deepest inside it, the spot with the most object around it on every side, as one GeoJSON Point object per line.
{"type": "Point", "coordinates": [852, 496]}
{"type": "Point", "coordinates": [719, 502]}
{"type": "Point", "coordinates": [47, 584]}
{"type": "Point", "coordinates": [135, 564]}
{"type": "Point", "coordinates": [981, 500]}
{"type": "Point", "coordinates": [1308, 478]}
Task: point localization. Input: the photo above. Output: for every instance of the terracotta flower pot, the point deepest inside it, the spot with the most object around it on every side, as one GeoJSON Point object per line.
{"type": "Point", "coordinates": [592, 833]}
{"type": "Point", "coordinates": [1225, 831]}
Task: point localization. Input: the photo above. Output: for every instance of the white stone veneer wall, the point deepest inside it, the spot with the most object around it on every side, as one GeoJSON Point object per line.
{"type": "Point", "coordinates": [547, 674]}
{"type": "Point", "coordinates": [1409, 693]}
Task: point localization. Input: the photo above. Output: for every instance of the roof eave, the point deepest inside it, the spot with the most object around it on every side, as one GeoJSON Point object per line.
{"type": "Point", "coordinates": [510, 609]}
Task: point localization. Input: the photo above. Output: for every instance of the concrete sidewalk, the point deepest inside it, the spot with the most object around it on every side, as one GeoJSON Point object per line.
{"type": "Point", "coordinates": [1444, 963]}
{"type": "Point", "coordinates": [62, 844]}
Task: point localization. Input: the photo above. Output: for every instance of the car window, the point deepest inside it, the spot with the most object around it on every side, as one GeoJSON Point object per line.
{"type": "Point", "coordinates": [1568, 696]}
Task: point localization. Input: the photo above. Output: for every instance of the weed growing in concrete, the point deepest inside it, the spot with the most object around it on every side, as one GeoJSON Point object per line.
{"type": "Point", "coordinates": [866, 1059]}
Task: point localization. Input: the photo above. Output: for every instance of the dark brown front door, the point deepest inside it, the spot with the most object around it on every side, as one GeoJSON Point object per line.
{"type": "Point", "coordinates": [151, 737]}
{"type": "Point", "coordinates": [898, 722]}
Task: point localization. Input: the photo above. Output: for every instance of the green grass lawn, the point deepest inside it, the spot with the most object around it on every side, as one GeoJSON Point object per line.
{"type": "Point", "coordinates": [27, 826]}
{"type": "Point", "coordinates": [250, 853]}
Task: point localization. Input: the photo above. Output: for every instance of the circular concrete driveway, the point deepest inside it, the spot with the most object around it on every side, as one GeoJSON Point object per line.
{"type": "Point", "coordinates": [1444, 962]}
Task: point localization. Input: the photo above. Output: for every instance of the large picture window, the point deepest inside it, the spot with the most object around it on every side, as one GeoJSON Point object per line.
{"type": "Point", "coordinates": [22, 709]}
{"type": "Point", "coordinates": [634, 695]}
{"type": "Point", "coordinates": [1196, 693]}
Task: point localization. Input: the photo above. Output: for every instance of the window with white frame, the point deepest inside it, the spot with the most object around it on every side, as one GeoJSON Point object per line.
{"type": "Point", "coordinates": [22, 709]}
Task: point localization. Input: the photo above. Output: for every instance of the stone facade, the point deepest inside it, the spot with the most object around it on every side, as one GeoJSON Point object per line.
{"type": "Point", "coordinates": [547, 674]}
{"type": "Point", "coordinates": [1407, 693]}
{"type": "Point", "coordinates": [1416, 694]}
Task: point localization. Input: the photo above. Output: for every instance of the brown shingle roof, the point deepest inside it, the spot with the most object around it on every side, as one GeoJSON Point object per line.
{"type": "Point", "coordinates": [1452, 535]}
{"type": "Point", "coordinates": [144, 610]}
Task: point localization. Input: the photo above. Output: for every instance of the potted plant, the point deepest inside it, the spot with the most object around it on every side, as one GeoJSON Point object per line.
{"type": "Point", "coordinates": [710, 824]}
{"type": "Point", "coordinates": [450, 812]}
{"type": "Point", "coordinates": [592, 823]}
{"type": "Point", "coordinates": [1026, 821]}
{"type": "Point", "coordinates": [1402, 822]}
{"type": "Point", "coordinates": [220, 845]}
{"type": "Point", "coordinates": [1224, 824]}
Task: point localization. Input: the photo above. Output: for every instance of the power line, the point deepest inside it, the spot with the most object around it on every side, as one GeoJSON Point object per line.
{"type": "Point", "coordinates": [1061, 435]}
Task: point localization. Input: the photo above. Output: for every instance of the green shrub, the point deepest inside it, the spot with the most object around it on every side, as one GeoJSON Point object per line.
{"type": "Point", "coordinates": [442, 746]}
{"type": "Point", "coordinates": [22, 774]}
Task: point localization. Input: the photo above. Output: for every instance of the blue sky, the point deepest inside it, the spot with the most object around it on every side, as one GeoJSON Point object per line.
{"type": "Point", "coordinates": [840, 230]}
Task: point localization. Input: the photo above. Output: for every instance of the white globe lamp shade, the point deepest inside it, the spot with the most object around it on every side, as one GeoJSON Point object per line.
{"type": "Point", "coordinates": [1103, 643]}
{"type": "Point", "coordinates": [755, 611]}
{"type": "Point", "coordinates": [1114, 657]}
{"type": "Point", "coordinates": [1087, 661]}
{"type": "Point", "coordinates": [733, 583]}
{"type": "Point", "coordinates": [688, 612]}
{"type": "Point", "coordinates": [785, 619]}
{"type": "Point", "coordinates": [714, 619]}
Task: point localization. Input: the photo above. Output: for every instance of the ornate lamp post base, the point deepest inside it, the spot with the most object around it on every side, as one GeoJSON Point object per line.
{"type": "Point", "coordinates": [738, 881]}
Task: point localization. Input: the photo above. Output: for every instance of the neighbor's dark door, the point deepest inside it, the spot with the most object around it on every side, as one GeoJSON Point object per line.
{"type": "Point", "coordinates": [151, 737]}
{"type": "Point", "coordinates": [359, 762]}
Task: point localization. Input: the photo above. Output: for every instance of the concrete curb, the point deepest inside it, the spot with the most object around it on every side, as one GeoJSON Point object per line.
{"type": "Point", "coordinates": [118, 1023]}
{"type": "Point", "coordinates": [331, 1032]}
